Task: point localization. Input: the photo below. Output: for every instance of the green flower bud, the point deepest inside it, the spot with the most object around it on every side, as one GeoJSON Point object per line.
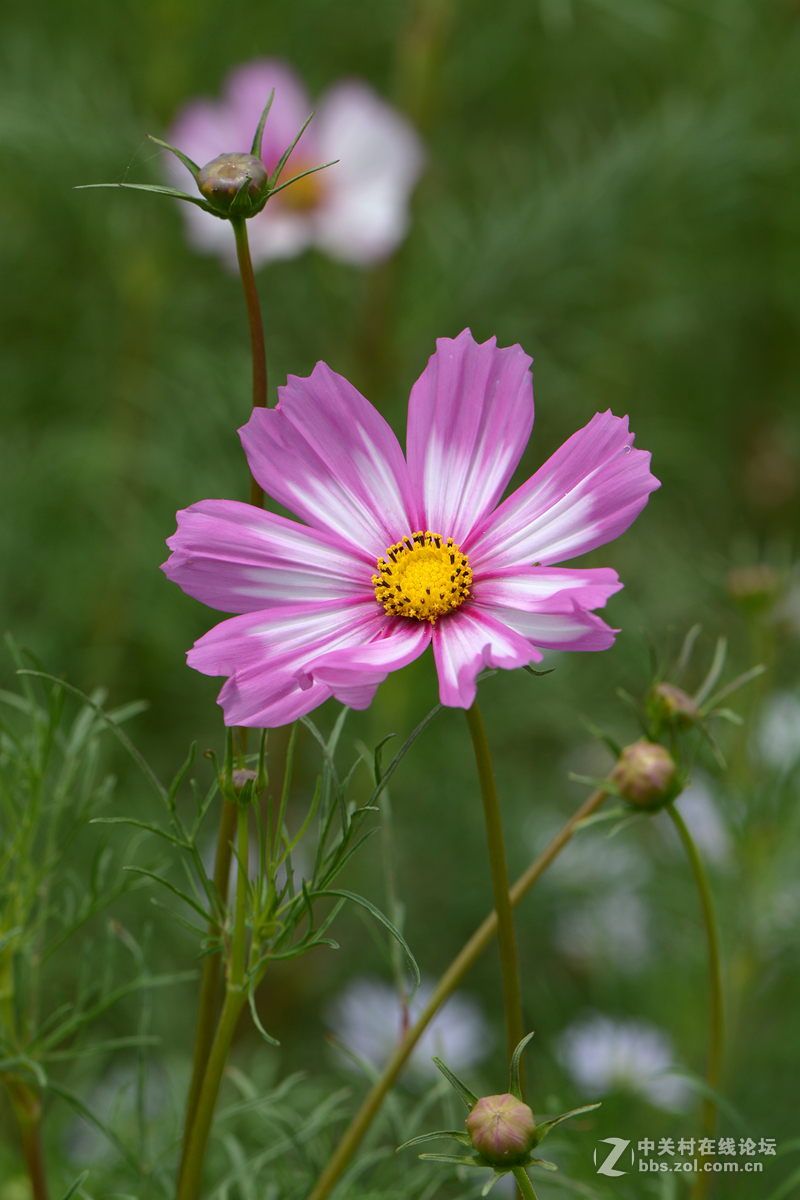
{"type": "Point", "coordinates": [502, 1129]}
{"type": "Point", "coordinates": [645, 775]}
{"type": "Point", "coordinates": [221, 182]}
{"type": "Point", "coordinates": [667, 704]}
{"type": "Point", "coordinates": [755, 587]}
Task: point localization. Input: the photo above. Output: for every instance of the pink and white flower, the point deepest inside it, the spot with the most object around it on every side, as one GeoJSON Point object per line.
{"type": "Point", "coordinates": [355, 211]}
{"type": "Point", "coordinates": [397, 554]}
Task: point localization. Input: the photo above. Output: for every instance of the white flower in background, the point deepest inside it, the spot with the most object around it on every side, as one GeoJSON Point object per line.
{"type": "Point", "coordinates": [603, 1055]}
{"type": "Point", "coordinates": [367, 1018]}
{"type": "Point", "coordinates": [778, 735]}
{"type": "Point", "coordinates": [699, 810]}
{"type": "Point", "coordinates": [114, 1099]}
{"type": "Point", "coordinates": [611, 929]}
{"type": "Point", "coordinates": [356, 211]}
{"type": "Point", "coordinates": [593, 861]}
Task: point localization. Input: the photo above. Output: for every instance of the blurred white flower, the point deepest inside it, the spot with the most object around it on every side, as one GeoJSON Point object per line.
{"type": "Point", "coordinates": [699, 810]}
{"type": "Point", "coordinates": [613, 930]}
{"type": "Point", "coordinates": [590, 861]}
{"type": "Point", "coordinates": [367, 1018]}
{"type": "Point", "coordinates": [778, 734]}
{"type": "Point", "coordinates": [603, 1055]}
{"type": "Point", "coordinates": [114, 1099]}
{"type": "Point", "coordinates": [356, 211]}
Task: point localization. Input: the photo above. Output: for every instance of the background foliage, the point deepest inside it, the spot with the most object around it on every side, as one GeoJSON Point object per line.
{"type": "Point", "coordinates": [613, 184]}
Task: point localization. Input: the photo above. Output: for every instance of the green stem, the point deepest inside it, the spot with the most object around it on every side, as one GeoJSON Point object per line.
{"type": "Point", "coordinates": [716, 1015]}
{"type": "Point", "coordinates": [210, 982]}
{"type": "Point", "coordinates": [256, 333]}
{"type": "Point", "coordinates": [27, 1106]}
{"type": "Point", "coordinates": [523, 1183]}
{"type": "Point", "coordinates": [240, 931]}
{"type": "Point", "coordinates": [235, 997]}
{"type": "Point", "coordinates": [512, 990]}
{"type": "Point", "coordinates": [444, 989]}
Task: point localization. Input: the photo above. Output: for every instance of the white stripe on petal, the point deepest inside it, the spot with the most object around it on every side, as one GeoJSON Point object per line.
{"type": "Point", "coordinates": [466, 641]}
{"type": "Point", "coordinates": [237, 558]}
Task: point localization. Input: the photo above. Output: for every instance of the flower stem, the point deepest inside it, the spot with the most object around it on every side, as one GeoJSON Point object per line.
{"type": "Point", "coordinates": [523, 1183]}
{"type": "Point", "coordinates": [509, 961]}
{"type": "Point", "coordinates": [444, 988]}
{"type": "Point", "coordinates": [27, 1106]}
{"type": "Point", "coordinates": [210, 982]}
{"type": "Point", "coordinates": [716, 1022]}
{"type": "Point", "coordinates": [256, 333]}
{"type": "Point", "coordinates": [235, 997]}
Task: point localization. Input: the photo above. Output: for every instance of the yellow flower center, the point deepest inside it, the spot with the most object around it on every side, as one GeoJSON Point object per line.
{"type": "Point", "coordinates": [303, 195]}
{"type": "Point", "coordinates": [423, 576]}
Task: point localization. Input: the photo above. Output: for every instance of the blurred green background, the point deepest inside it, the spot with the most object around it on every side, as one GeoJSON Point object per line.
{"type": "Point", "coordinates": [614, 185]}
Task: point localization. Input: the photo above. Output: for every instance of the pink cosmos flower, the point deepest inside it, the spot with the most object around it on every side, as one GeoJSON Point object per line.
{"type": "Point", "coordinates": [400, 553]}
{"type": "Point", "coordinates": [356, 211]}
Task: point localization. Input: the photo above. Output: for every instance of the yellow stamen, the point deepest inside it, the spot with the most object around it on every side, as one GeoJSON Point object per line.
{"type": "Point", "coordinates": [422, 576]}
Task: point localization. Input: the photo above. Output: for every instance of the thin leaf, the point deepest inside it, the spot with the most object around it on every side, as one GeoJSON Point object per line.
{"type": "Point", "coordinates": [471, 1160]}
{"type": "Point", "coordinates": [544, 1127]}
{"type": "Point", "coordinates": [725, 714]}
{"type": "Point", "coordinates": [176, 890]}
{"type": "Point", "coordinates": [192, 167]}
{"type": "Point", "coordinates": [9, 1065]}
{"type": "Point", "coordinates": [686, 651]}
{"type": "Point", "coordinates": [469, 1098]}
{"type": "Point", "coordinates": [255, 149]}
{"type": "Point", "coordinates": [256, 1020]}
{"type": "Point", "coordinates": [302, 175]}
{"type": "Point", "coordinates": [276, 174]}
{"type": "Point", "coordinates": [119, 733]}
{"type": "Point", "coordinates": [783, 1189]}
{"type": "Point", "coordinates": [121, 1043]}
{"type": "Point", "coordinates": [170, 837]}
{"type": "Point", "coordinates": [717, 663]}
{"type": "Point", "coordinates": [531, 671]}
{"type": "Point", "coordinates": [456, 1134]}
{"type": "Point", "coordinates": [80, 1108]}
{"type": "Point", "coordinates": [159, 191]}
{"type": "Point", "coordinates": [376, 912]}
{"type": "Point", "coordinates": [738, 682]}
{"type": "Point", "coordinates": [74, 1187]}
{"type": "Point", "coordinates": [514, 1087]}
{"type": "Point", "coordinates": [401, 753]}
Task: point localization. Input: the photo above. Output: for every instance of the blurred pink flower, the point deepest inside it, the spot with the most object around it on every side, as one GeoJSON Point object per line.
{"type": "Point", "coordinates": [356, 211]}
{"type": "Point", "coordinates": [397, 554]}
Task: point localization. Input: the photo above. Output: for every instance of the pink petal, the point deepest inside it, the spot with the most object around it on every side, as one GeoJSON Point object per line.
{"type": "Point", "coordinates": [361, 666]}
{"type": "Point", "coordinates": [363, 213]}
{"type": "Point", "coordinates": [468, 640]}
{"type": "Point", "coordinates": [545, 589]}
{"type": "Point", "coordinates": [330, 457]}
{"type": "Point", "coordinates": [266, 655]}
{"type": "Point", "coordinates": [586, 494]}
{"type": "Point", "coordinates": [560, 630]}
{"type": "Point", "coordinates": [237, 558]}
{"type": "Point", "coordinates": [469, 420]}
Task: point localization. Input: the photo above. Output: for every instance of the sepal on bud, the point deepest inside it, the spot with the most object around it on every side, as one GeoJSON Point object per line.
{"type": "Point", "coordinates": [501, 1129]}
{"type": "Point", "coordinates": [234, 185]}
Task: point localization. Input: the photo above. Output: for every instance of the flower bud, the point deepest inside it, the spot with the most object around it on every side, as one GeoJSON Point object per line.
{"type": "Point", "coordinates": [755, 587]}
{"type": "Point", "coordinates": [221, 180]}
{"type": "Point", "coordinates": [502, 1129]}
{"type": "Point", "coordinates": [668, 704]}
{"type": "Point", "coordinates": [645, 775]}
